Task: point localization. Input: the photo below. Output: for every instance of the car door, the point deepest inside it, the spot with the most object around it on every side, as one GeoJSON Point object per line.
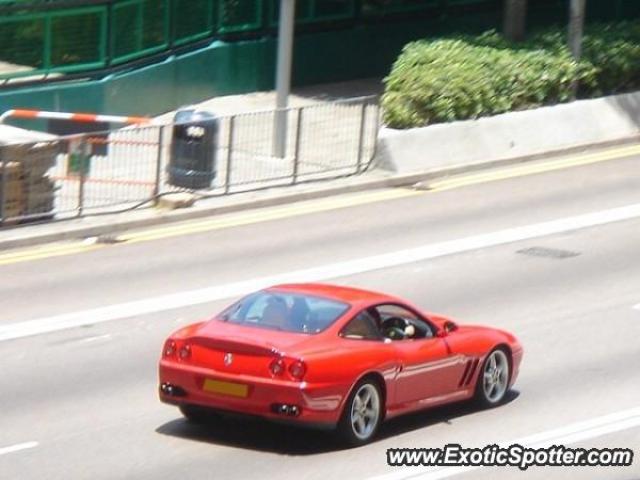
{"type": "Point", "coordinates": [427, 370]}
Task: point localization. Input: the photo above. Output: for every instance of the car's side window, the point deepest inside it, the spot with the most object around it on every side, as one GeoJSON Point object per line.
{"type": "Point", "coordinates": [400, 323]}
{"type": "Point", "coordinates": [361, 327]}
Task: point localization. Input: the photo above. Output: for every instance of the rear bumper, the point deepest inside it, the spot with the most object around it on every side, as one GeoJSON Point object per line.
{"type": "Point", "coordinates": [307, 404]}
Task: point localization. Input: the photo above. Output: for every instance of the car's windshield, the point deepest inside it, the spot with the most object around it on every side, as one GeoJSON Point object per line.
{"type": "Point", "coordinates": [286, 311]}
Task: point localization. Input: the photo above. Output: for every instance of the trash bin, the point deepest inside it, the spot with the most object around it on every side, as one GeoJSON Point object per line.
{"type": "Point", "coordinates": [192, 163]}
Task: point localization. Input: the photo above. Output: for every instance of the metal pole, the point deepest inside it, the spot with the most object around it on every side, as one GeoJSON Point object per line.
{"type": "Point", "coordinates": [156, 187]}
{"type": "Point", "coordinates": [283, 75]}
{"type": "Point", "coordinates": [83, 176]}
{"type": "Point", "coordinates": [363, 120]}
{"type": "Point", "coordinates": [515, 19]}
{"type": "Point", "coordinates": [296, 157]}
{"type": "Point", "coordinates": [576, 27]}
{"type": "Point", "coordinates": [227, 180]}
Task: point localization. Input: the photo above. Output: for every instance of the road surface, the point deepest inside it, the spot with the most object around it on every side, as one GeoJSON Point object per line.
{"type": "Point", "coordinates": [81, 402]}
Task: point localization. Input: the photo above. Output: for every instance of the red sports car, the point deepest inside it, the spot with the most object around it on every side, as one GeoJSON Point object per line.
{"type": "Point", "coordinates": [332, 356]}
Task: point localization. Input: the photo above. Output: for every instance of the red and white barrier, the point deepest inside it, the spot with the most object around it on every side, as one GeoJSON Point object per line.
{"type": "Point", "coordinates": [74, 117]}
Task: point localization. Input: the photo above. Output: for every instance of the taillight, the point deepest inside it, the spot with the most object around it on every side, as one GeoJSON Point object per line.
{"type": "Point", "coordinates": [277, 367]}
{"type": "Point", "coordinates": [185, 352]}
{"type": "Point", "coordinates": [297, 369]}
{"type": "Point", "coordinates": [169, 348]}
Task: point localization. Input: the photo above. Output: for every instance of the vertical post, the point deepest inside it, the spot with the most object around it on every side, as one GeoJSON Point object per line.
{"type": "Point", "coordinates": [283, 75]}
{"type": "Point", "coordinates": [83, 175]}
{"type": "Point", "coordinates": [576, 27]}
{"type": "Point", "coordinates": [363, 120]}
{"type": "Point", "coordinates": [156, 185]}
{"type": "Point", "coordinates": [296, 157]}
{"type": "Point", "coordinates": [375, 131]}
{"type": "Point", "coordinates": [515, 19]}
{"type": "Point", "coordinates": [227, 180]}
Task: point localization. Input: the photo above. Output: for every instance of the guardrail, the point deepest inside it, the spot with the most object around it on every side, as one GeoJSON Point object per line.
{"type": "Point", "coordinates": [97, 173]}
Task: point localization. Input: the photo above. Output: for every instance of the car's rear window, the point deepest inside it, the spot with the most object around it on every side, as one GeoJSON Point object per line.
{"type": "Point", "coordinates": [285, 311]}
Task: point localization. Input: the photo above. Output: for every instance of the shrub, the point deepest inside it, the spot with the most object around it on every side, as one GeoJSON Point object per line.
{"type": "Point", "coordinates": [469, 77]}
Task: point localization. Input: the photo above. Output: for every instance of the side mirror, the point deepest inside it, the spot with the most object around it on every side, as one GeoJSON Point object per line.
{"type": "Point", "coordinates": [447, 328]}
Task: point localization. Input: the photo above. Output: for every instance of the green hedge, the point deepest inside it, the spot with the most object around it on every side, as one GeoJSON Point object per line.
{"type": "Point", "coordinates": [469, 77]}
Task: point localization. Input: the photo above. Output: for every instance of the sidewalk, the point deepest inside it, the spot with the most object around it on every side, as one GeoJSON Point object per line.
{"type": "Point", "coordinates": [300, 97]}
{"type": "Point", "coordinates": [129, 165]}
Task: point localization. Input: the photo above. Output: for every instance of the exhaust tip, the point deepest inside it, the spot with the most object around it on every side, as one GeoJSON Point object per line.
{"type": "Point", "coordinates": [286, 409]}
{"type": "Point", "coordinates": [172, 390]}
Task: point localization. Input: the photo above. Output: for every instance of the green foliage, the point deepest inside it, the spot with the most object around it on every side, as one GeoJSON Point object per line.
{"type": "Point", "coordinates": [468, 77]}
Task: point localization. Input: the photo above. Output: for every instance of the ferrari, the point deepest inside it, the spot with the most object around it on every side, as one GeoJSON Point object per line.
{"type": "Point", "coordinates": [334, 357]}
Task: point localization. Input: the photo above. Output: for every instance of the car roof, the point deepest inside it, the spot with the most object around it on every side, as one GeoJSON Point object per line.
{"type": "Point", "coordinates": [341, 293]}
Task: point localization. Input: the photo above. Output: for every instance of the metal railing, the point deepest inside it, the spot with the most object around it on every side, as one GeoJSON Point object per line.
{"type": "Point", "coordinates": [99, 173]}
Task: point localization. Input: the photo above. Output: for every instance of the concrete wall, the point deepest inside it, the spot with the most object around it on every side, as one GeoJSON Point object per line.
{"type": "Point", "coordinates": [511, 135]}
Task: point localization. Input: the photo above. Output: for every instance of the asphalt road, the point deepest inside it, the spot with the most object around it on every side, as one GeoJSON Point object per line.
{"type": "Point", "coordinates": [81, 402]}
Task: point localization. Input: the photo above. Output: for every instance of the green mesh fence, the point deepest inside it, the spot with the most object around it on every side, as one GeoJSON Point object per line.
{"type": "Point", "coordinates": [62, 41]}
{"type": "Point", "coordinates": [74, 37]}
{"type": "Point", "coordinates": [78, 40]}
{"type": "Point", "coordinates": [239, 15]}
{"type": "Point", "coordinates": [22, 43]}
{"type": "Point", "coordinates": [192, 20]}
{"type": "Point", "coordinates": [139, 27]}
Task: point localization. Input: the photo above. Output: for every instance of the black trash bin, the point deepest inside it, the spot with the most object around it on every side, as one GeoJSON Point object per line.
{"type": "Point", "coordinates": [194, 145]}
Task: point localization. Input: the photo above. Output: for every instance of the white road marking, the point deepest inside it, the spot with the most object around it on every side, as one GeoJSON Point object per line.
{"type": "Point", "coordinates": [106, 336]}
{"type": "Point", "coordinates": [402, 257]}
{"type": "Point", "coordinates": [17, 447]}
{"type": "Point", "coordinates": [567, 435]}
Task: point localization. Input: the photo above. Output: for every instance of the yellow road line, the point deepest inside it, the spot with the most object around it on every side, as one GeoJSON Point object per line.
{"type": "Point", "coordinates": [542, 167]}
{"type": "Point", "coordinates": [316, 206]}
{"type": "Point", "coordinates": [269, 214]}
{"type": "Point", "coordinates": [40, 253]}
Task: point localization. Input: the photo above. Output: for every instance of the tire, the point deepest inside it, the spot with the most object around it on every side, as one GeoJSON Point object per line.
{"type": "Point", "coordinates": [362, 413]}
{"type": "Point", "coordinates": [493, 379]}
{"type": "Point", "coordinates": [195, 414]}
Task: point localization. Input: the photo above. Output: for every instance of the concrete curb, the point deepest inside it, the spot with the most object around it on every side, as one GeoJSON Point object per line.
{"type": "Point", "coordinates": [111, 224]}
{"type": "Point", "coordinates": [511, 135]}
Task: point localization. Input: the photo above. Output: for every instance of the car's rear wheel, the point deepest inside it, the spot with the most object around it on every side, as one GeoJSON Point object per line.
{"type": "Point", "coordinates": [195, 414]}
{"type": "Point", "coordinates": [362, 414]}
{"type": "Point", "coordinates": [493, 379]}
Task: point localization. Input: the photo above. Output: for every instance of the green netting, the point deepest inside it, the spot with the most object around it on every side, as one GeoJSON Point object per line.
{"type": "Point", "coordinates": [125, 25]}
{"type": "Point", "coordinates": [138, 27]}
{"type": "Point", "coordinates": [62, 38]}
{"type": "Point", "coordinates": [239, 15]}
{"type": "Point", "coordinates": [154, 24]}
{"type": "Point", "coordinates": [22, 42]}
{"type": "Point", "coordinates": [192, 20]}
{"type": "Point", "coordinates": [77, 39]}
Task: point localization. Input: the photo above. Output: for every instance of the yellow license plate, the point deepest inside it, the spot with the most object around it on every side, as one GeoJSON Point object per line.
{"type": "Point", "coordinates": [226, 388]}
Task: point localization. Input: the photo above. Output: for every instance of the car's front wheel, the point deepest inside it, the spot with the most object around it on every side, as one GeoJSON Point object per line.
{"type": "Point", "coordinates": [493, 379]}
{"type": "Point", "coordinates": [362, 414]}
